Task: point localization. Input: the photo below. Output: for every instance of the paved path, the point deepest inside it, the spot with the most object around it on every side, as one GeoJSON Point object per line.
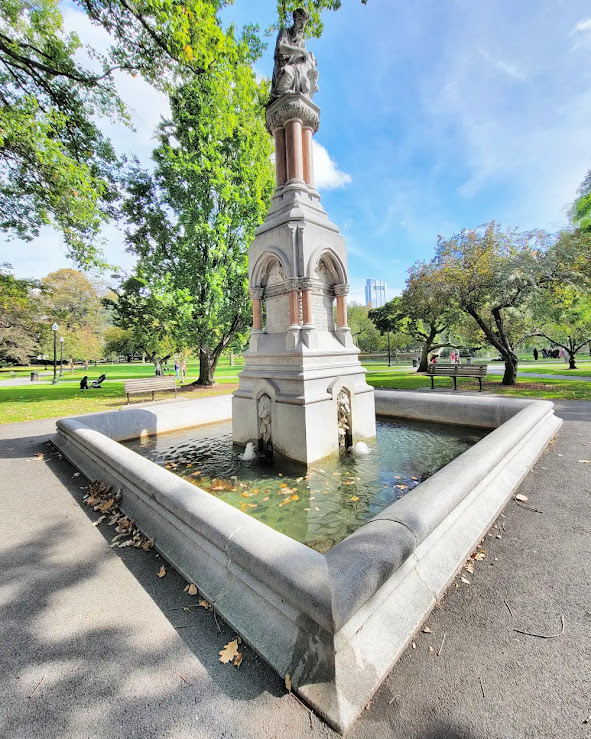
{"type": "Point", "coordinates": [90, 648]}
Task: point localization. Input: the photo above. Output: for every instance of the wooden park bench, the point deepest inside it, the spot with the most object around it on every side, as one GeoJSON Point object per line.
{"type": "Point", "coordinates": [456, 370]}
{"type": "Point", "coordinates": [149, 385]}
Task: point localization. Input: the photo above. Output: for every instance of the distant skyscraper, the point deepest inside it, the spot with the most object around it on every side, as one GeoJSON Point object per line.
{"type": "Point", "coordinates": [375, 293]}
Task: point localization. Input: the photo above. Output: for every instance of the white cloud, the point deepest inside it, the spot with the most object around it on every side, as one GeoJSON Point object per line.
{"type": "Point", "coordinates": [327, 175]}
{"type": "Point", "coordinates": [583, 26]}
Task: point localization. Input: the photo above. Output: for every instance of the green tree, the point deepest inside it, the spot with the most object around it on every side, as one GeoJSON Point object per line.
{"type": "Point", "coordinates": [494, 276]}
{"type": "Point", "coordinates": [19, 318]}
{"type": "Point", "coordinates": [154, 313]}
{"type": "Point", "coordinates": [119, 341]}
{"type": "Point", "coordinates": [363, 330]}
{"type": "Point", "coordinates": [56, 167]}
{"type": "Point", "coordinates": [565, 314]}
{"type": "Point", "coordinates": [70, 299]}
{"type": "Point", "coordinates": [424, 312]}
{"type": "Point", "coordinates": [581, 210]}
{"type": "Point", "coordinates": [191, 222]}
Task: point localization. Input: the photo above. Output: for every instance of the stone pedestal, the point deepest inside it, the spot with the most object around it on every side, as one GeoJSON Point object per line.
{"type": "Point", "coordinates": [302, 392]}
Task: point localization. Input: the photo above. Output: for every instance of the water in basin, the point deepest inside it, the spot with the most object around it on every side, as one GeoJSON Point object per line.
{"type": "Point", "coordinates": [318, 505]}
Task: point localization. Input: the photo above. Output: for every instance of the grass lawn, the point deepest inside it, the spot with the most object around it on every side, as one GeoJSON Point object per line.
{"type": "Point", "coordinates": [551, 389]}
{"type": "Point", "coordinates": [583, 369]}
{"type": "Point", "coordinates": [31, 402]}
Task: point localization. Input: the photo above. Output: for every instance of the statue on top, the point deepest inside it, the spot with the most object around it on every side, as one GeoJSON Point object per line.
{"type": "Point", "coordinates": [295, 68]}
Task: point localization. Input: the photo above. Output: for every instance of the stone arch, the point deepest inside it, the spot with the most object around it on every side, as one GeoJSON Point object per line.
{"type": "Point", "coordinates": [268, 261]}
{"type": "Point", "coordinates": [326, 259]}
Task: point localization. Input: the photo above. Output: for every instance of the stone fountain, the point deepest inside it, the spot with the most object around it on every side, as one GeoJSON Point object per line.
{"type": "Point", "coordinates": [332, 624]}
{"type": "Point", "coordinates": [302, 392]}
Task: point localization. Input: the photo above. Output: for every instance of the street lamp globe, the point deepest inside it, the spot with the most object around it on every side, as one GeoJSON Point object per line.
{"type": "Point", "coordinates": [55, 327]}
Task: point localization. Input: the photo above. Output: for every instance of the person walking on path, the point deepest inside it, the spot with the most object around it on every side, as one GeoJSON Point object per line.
{"type": "Point", "coordinates": [535, 353]}
{"type": "Point", "coordinates": [177, 368]}
{"type": "Point", "coordinates": [183, 371]}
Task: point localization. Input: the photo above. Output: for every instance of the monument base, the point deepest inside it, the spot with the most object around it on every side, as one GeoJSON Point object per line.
{"type": "Point", "coordinates": [308, 393]}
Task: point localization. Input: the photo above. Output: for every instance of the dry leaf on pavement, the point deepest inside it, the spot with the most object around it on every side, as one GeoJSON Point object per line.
{"type": "Point", "coordinates": [521, 498]}
{"type": "Point", "coordinates": [191, 589]}
{"type": "Point", "coordinates": [162, 571]}
{"type": "Point", "coordinates": [230, 652]}
{"type": "Point", "coordinates": [288, 682]}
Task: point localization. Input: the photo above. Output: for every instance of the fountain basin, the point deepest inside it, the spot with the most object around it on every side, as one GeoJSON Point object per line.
{"type": "Point", "coordinates": [335, 622]}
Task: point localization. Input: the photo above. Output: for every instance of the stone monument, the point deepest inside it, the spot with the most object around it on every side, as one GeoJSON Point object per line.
{"type": "Point", "coordinates": [302, 392]}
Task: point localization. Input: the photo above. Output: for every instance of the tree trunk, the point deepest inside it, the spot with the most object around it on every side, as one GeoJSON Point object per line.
{"type": "Point", "coordinates": [424, 363]}
{"type": "Point", "coordinates": [206, 367]}
{"type": "Point", "coordinates": [571, 360]}
{"type": "Point", "coordinates": [510, 376]}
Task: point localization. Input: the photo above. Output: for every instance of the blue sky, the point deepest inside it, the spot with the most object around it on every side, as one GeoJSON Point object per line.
{"type": "Point", "coordinates": [435, 116]}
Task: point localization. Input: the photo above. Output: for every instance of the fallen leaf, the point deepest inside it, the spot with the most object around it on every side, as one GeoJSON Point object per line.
{"type": "Point", "coordinates": [431, 649]}
{"type": "Point", "coordinates": [191, 589]}
{"type": "Point", "coordinates": [203, 604]}
{"type": "Point", "coordinates": [252, 505]}
{"type": "Point", "coordinates": [465, 580]}
{"type": "Point", "coordinates": [469, 567]}
{"type": "Point", "coordinates": [426, 630]}
{"type": "Point", "coordinates": [521, 498]}
{"type": "Point", "coordinates": [316, 508]}
{"type": "Point", "coordinates": [238, 659]}
{"type": "Point", "coordinates": [108, 504]}
{"type": "Point", "coordinates": [264, 499]}
{"type": "Point", "coordinates": [229, 652]}
{"type": "Point", "coordinates": [127, 543]}
{"type": "Point", "coordinates": [295, 497]}
{"type": "Point", "coordinates": [479, 556]}
{"type": "Point", "coordinates": [76, 474]}
{"type": "Point", "coordinates": [299, 479]}
{"type": "Point", "coordinates": [288, 682]}
{"type": "Point", "coordinates": [585, 461]}
{"type": "Point", "coordinates": [99, 520]}
{"type": "Point", "coordinates": [162, 571]}
{"type": "Point", "coordinates": [414, 646]}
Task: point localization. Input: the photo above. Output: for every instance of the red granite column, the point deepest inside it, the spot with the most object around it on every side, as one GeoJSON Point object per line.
{"type": "Point", "coordinates": [308, 156]}
{"type": "Point", "coordinates": [293, 147]}
{"type": "Point", "coordinates": [341, 311]}
{"type": "Point", "coordinates": [294, 307]}
{"type": "Point", "coordinates": [256, 314]}
{"type": "Point", "coordinates": [306, 286]}
{"type": "Point", "coordinates": [280, 156]}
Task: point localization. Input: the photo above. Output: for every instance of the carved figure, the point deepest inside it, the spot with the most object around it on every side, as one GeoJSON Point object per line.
{"type": "Point", "coordinates": [295, 68]}
{"type": "Point", "coordinates": [264, 414]}
{"type": "Point", "coordinates": [344, 413]}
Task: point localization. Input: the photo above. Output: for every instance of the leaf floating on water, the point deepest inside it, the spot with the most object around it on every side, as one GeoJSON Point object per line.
{"type": "Point", "coordinates": [521, 498]}
{"type": "Point", "coordinates": [230, 652]}
{"type": "Point", "coordinates": [162, 571]}
{"type": "Point", "coordinates": [288, 682]}
{"type": "Point", "coordinates": [190, 589]}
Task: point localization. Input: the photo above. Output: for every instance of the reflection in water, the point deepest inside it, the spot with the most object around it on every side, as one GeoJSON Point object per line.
{"type": "Point", "coordinates": [322, 504]}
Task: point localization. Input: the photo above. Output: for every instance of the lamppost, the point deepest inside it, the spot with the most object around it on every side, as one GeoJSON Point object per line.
{"type": "Point", "coordinates": [54, 328]}
{"type": "Point", "coordinates": [61, 356]}
{"type": "Point", "coordinates": [389, 355]}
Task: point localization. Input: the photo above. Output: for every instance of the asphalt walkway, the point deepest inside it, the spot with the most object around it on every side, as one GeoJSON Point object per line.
{"type": "Point", "coordinates": [96, 646]}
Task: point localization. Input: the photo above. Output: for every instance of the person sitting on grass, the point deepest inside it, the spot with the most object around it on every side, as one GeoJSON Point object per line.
{"type": "Point", "coordinates": [84, 383]}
